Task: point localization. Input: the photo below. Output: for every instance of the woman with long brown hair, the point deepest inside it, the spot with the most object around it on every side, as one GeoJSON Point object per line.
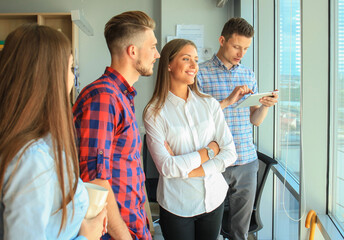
{"type": "Point", "coordinates": [191, 146]}
{"type": "Point", "coordinates": [42, 196]}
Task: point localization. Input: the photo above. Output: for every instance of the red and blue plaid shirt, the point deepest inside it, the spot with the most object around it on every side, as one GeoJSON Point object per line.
{"type": "Point", "coordinates": [109, 145]}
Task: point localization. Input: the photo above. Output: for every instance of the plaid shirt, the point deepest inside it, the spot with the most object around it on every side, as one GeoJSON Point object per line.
{"type": "Point", "coordinates": [109, 145]}
{"type": "Point", "coordinates": [215, 79]}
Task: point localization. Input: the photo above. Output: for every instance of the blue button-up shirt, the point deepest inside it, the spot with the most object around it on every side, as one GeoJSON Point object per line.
{"type": "Point", "coordinates": [31, 199]}
{"type": "Point", "coordinates": [216, 79]}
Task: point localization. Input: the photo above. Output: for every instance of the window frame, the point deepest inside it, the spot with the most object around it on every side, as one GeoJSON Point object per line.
{"type": "Point", "coordinates": [333, 116]}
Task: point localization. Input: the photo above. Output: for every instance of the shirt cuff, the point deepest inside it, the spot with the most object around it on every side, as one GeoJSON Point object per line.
{"type": "Point", "coordinates": [195, 160]}
{"type": "Point", "coordinates": [103, 165]}
{"type": "Point", "coordinates": [209, 167]}
{"type": "Point", "coordinates": [192, 161]}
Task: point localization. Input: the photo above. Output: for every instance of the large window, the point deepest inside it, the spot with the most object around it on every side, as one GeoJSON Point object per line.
{"type": "Point", "coordinates": [288, 81]}
{"type": "Point", "coordinates": [285, 228]}
{"type": "Point", "coordinates": [336, 194]}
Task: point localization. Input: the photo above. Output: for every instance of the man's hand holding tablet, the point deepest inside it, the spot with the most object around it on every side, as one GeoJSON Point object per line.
{"type": "Point", "coordinates": [267, 99]}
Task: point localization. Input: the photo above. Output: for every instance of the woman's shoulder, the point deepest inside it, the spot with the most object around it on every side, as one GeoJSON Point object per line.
{"type": "Point", "coordinates": [35, 157]}
{"type": "Point", "coordinates": [32, 169]}
{"type": "Point", "coordinates": [41, 148]}
{"type": "Point", "coordinates": [151, 111]}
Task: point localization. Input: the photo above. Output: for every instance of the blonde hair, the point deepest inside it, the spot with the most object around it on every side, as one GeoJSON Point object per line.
{"type": "Point", "coordinates": [126, 29]}
{"type": "Point", "coordinates": [34, 100]}
{"type": "Point", "coordinates": [162, 84]}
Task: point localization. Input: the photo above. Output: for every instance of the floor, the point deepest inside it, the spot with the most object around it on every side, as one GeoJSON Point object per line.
{"type": "Point", "coordinates": [157, 230]}
{"type": "Point", "coordinates": [155, 216]}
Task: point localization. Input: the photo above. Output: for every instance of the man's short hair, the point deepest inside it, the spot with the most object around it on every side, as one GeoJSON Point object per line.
{"type": "Point", "coordinates": [239, 26]}
{"type": "Point", "coordinates": [125, 29]}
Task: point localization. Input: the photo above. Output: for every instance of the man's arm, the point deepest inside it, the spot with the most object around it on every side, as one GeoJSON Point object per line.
{"type": "Point", "coordinates": [258, 114]}
{"type": "Point", "coordinates": [116, 226]}
{"type": "Point", "coordinates": [83, 119]}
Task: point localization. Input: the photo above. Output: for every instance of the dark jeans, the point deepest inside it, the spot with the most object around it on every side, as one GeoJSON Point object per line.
{"type": "Point", "coordinates": [201, 227]}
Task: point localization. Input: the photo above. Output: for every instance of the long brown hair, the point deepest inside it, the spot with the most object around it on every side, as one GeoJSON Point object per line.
{"type": "Point", "coordinates": [162, 85]}
{"type": "Point", "coordinates": [34, 100]}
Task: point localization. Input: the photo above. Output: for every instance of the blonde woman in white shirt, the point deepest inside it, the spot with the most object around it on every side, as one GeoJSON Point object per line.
{"type": "Point", "coordinates": [191, 146]}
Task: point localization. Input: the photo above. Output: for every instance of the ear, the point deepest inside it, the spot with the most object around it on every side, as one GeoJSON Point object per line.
{"type": "Point", "coordinates": [132, 51]}
{"type": "Point", "coordinates": [222, 40]}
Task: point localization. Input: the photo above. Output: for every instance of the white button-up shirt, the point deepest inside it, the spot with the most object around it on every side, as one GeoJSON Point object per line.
{"type": "Point", "coordinates": [188, 126]}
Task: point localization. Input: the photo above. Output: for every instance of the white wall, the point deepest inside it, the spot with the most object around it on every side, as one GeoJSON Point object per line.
{"type": "Point", "coordinates": [246, 12]}
{"type": "Point", "coordinates": [314, 113]}
{"type": "Point", "coordinates": [94, 55]}
{"type": "Point", "coordinates": [202, 12]}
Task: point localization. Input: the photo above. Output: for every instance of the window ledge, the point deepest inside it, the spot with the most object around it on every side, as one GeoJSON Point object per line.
{"type": "Point", "coordinates": [327, 228]}
{"type": "Point", "coordinates": [291, 184]}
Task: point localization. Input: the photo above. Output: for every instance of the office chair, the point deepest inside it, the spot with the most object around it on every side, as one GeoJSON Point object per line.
{"type": "Point", "coordinates": [152, 174]}
{"type": "Point", "coordinates": [256, 224]}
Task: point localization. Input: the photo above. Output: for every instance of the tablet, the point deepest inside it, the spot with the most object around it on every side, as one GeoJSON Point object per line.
{"type": "Point", "coordinates": [253, 99]}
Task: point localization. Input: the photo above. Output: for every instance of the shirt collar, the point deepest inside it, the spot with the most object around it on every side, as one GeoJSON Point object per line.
{"type": "Point", "coordinates": [177, 100]}
{"type": "Point", "coordinates": [120, 81]}
{"type": "Point", "coordinates": [217, 62]}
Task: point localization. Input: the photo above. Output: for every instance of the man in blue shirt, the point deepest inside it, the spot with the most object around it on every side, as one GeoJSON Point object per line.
{"type": "Point", "coordinates": [228, 81]}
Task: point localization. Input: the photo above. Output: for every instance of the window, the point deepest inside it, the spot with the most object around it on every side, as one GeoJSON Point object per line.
{"type": "Point", "coordinates": [284, 225]}
{"type": "Point", "coordinates": [288, 81]}
{"type": "Point", "coordinates": [336, 194]}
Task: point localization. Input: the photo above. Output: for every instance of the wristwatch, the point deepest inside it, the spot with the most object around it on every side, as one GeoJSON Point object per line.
{"type": "Point", "coordinates": [211, 153]}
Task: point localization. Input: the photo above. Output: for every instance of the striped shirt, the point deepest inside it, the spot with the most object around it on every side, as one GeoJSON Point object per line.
{"type": "Point", "coordinates": [215, 79]}
{"type": "Point", "coordinates": [109, 145]}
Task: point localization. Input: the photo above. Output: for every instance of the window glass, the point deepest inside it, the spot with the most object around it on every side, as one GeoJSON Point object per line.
{"type": "Point", "coordinates": [288, 81]}
{"type": "Point", "coordinates": [285, 227]}
{"type": "Point", "coordinates": [336, 196]}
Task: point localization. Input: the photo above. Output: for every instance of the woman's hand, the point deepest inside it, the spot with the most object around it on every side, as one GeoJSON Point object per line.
{"type": "Point", "coordinates": [95, 227]}
{"type": "Point", "coordinates": [197, 172]}
{"type": "Point", "coordinates": [168, 148]}
{"type": "Point", "coordinates": [213, 145]}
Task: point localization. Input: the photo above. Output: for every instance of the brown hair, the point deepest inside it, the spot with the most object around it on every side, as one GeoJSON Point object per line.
{"type": "Point", "coordinates": [34, 100]}
{"type": "Point", "coordinates": [239, 26]}
{"type": "Point", "coordinates": [125, 29]}
{"type": "Point", "coordinates": [162, 85]}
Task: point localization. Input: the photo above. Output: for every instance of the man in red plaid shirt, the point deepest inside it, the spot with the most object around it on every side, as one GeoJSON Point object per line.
{"type": "Point", "coordinates": [108, 135]}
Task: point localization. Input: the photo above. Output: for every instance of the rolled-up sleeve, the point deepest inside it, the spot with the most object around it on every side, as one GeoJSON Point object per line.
{"type": "Point", "coordinates": [95, 129]}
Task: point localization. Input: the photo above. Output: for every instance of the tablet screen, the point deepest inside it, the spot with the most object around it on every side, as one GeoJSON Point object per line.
{"type": "Point", "coordinates": [253, 100]}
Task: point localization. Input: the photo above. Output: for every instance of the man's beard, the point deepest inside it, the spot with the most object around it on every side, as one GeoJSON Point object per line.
{"type": "Point", "coordinates": [144, 71]}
